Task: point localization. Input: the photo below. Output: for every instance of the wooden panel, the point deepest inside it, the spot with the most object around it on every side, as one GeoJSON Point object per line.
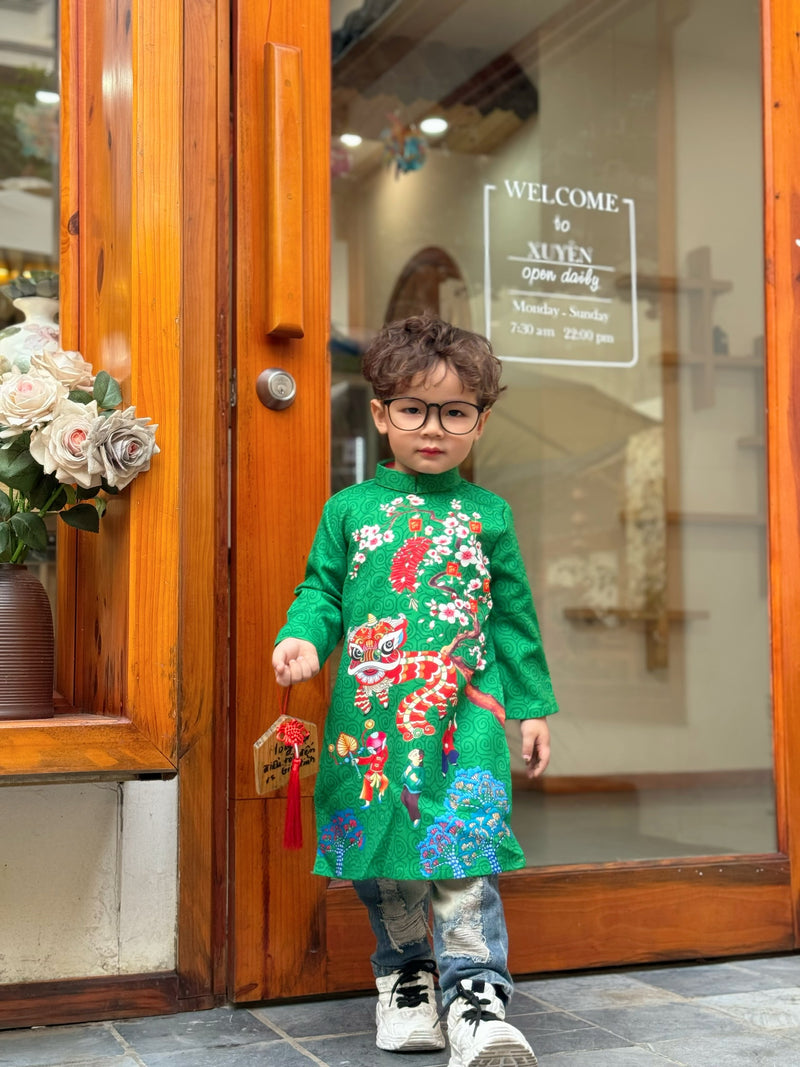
{"type": "Point", "coordinates": [563, 919]}
{"type": "Point", "coordinates": [278, 907]}
{"type": "Point", "coordinates": [203, 533]}
{"type": "Point", "coordinates": [691, 910]}
{"type": "Point", "coordinates": [283, 166]}
{"type": "Point", "coordinates": [104, 122]}
{"type": "Point", "coordinates": [156, 213]}
{"type": "Point", "coordinates": [69, 324]}
{"type": "Point", "coordinates": [89, 999]}
{"type": "Point", "coordinates": [280, 481]}
{"type": "Point", "coordinates": [281, 469]}
{"type": "Point", "coordinates": [782, 230]}
{"type": "Point", "coordinates": [78, 746]}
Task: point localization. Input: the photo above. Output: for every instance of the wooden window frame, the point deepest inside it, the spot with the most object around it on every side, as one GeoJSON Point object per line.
{"type": "Point", "coordinates": [142, 658]}
{"type": "Point", "coordinates": [128, 598]}
{"type": "Point", "coordinates": [115, 713]}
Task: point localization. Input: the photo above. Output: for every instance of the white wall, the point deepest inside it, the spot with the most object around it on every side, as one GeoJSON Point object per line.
{"type": "Point", "coordinates": [87, 880]}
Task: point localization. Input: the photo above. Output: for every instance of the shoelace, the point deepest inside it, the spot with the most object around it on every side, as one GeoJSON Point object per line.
{"type": "Point", "coordinates": [476, 1013]}
{"type": "Point", "coordinates": [411, 996]}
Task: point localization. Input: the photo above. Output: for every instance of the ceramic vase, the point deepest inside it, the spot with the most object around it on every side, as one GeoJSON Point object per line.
{"type": "Point", "coordinates": [24, 339]}
{"type": "Point", "coordinates": [27, 646]}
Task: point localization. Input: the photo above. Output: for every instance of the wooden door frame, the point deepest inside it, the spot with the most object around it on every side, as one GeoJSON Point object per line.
{"type": "Point", "coordinates": [574, 916]}
{"type": "Point", "coordinates": [281, 466]}
{"type": "Point", "coordinates": [781, 64]}
{"type": "Point", "coordinates": [144, 272]}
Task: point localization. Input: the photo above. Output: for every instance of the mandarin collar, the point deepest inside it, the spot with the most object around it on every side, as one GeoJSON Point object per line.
{"type": "Point", "coordinates": [401, 482]}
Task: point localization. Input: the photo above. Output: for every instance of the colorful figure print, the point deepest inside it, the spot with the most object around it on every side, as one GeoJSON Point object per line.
{"type": "Point", "coordinates": [413, 781]}
{"type": "Point", "coordinates": [377, 753]}
{"type": "Point", "coordinates": [449, 750]}
{"type": "Point", "coordinates": [378, 661]}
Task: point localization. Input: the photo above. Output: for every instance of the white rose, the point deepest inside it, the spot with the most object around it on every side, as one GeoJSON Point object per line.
{"type": "Point", "coordinates": [62, 446]}
{"type": "Point", "coordinates": [28, 401]}
{"type": "Point", "coordinates": [69, 368]}
{"type": "Point", "coordinates": [120, 447]}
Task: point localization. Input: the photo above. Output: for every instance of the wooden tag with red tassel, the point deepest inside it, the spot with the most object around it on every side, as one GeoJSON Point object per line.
{"type": "Point", "coordinates": [283, 755]}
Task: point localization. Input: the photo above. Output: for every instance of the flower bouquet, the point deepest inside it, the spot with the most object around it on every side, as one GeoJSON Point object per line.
{"type": "Point", "coordinates": [66, 444]}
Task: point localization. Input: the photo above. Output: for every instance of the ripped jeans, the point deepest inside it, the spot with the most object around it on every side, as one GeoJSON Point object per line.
{"type": "Point", "coordinates": [469, 929]}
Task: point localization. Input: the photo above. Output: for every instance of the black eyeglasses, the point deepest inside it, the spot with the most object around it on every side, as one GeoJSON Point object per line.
{"type": "Point", "coordinates": [455, 416]}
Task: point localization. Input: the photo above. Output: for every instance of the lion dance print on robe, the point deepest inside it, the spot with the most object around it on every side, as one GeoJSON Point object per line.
{"type": "Point", "coordinates": [378, 661]}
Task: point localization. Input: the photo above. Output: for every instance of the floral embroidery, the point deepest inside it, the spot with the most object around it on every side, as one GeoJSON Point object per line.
{"type": "Point", "coordinates": [471, 829]}
{"type": "Point", "coordinates": [441, 555]}
{"type": "Point", "coordinates": [342, 833]}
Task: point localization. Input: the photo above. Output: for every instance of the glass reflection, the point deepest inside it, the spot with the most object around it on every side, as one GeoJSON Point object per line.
{"type": "Point", "coordinates": [29, 127]}
{"type": "Point", "coordinates": [593, 203]}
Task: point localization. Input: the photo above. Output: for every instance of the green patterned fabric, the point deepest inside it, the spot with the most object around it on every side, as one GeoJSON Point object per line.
{"type": "Point", "coordinates": [423, 577]}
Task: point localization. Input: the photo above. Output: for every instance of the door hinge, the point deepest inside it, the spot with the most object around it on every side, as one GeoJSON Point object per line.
{"type": "Point", "coordinates": [233, 388]}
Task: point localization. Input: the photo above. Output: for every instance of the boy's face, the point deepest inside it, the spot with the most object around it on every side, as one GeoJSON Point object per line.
{"type": "Point", "coordinates": [430, 449]}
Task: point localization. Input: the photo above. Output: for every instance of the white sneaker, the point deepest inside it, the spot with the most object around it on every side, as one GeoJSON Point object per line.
{"type": "Point", "coordinates": [406, 1014]}
{"type": "Point", "coordinates": [479, 1035]}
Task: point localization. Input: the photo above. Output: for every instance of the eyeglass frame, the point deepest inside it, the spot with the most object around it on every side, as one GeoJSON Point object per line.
{"type": "Point", "coordinates": [479, 409]}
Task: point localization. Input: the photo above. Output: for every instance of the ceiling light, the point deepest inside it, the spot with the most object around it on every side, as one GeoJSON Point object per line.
{"type": "Point", "coordinates": [352, 140]}
{"type": "Point", "coordinates": [434, 125]}
{"type": "Point", "coordinates": [45, 96]}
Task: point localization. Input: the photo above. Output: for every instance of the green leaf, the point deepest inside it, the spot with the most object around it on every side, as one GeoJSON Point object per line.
{"type": "Point", "coordinates": [18, 468]}
{"type": "Point", "coordinates": [6, 542]}
{"type": "Point", "coordinates": [30, 529]}
{"type": "Point", "coordinates": [5, 506]}
{"type": "Point", "coordinates": [86, 494]}
{"type": "Point", "coordinates": [82, 517]}
{"type": "Point", "coordinates": [42, 493]}
{"type": "Point", "coordinates": [106, 391]}
{"type": "Point", "coordinates": [80, 396]}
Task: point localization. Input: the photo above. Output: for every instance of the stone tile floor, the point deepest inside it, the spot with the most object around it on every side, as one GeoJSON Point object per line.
{"type": "Point", "coordinates": [730, 1014]}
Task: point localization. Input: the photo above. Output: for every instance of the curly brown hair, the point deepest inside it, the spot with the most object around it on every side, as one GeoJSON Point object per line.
{"type": "Point", "coordinates": [418, 345]}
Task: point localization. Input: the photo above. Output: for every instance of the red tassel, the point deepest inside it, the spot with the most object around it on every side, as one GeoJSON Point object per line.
{"type": "Point", "coordinates": [293, 827]}
{"type": "Point", "coordinates": [293, 734]}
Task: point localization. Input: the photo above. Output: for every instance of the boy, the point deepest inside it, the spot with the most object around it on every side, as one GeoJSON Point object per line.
{"type": "Point", "coordinates": [422, 573]}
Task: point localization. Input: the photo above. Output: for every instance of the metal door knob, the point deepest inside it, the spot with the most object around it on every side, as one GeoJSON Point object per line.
{"type": "Point", "coordinates": [275, 388]}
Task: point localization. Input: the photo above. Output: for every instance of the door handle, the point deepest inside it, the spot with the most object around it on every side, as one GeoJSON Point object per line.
{"type": "Point", "coordinates": [284, 189]}
{"type": "Point", "coordinates": [275, 388]}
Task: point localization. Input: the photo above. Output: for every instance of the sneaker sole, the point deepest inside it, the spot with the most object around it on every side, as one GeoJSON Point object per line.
{"type": "Point", "coordinates": [421, 1041]}
{"type": "Point", "coordinates": [500, 1053]}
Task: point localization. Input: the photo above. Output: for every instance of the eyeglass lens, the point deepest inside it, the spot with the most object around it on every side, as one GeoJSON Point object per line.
{"type": "Point", "coordinates": [455, 416]}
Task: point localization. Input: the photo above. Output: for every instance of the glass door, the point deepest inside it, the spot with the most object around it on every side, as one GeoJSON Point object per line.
{"type": "Point", "coordinates": [589, 196]}
{"type": "Point", "coordinates": [585, 182]}
{"type": "Point", "coordinates": [582, 183]}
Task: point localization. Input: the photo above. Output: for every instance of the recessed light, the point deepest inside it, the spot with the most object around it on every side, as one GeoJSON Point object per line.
{"type": "Point", "coordinates": [352, 140]}
{"type": "Point", "coordinates": [434, 125]}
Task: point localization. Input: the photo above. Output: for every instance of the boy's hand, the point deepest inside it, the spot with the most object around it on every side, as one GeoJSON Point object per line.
{"type": "Point", "coordinates": [294, 661]}
{"type": "Point", "coordinates": [535, 745]}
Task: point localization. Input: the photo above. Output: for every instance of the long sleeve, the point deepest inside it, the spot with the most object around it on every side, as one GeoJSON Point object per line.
{"type": "Point", "coordinates": [316, 613]}
{"type": "Point", "coordinates": [528, 690]}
